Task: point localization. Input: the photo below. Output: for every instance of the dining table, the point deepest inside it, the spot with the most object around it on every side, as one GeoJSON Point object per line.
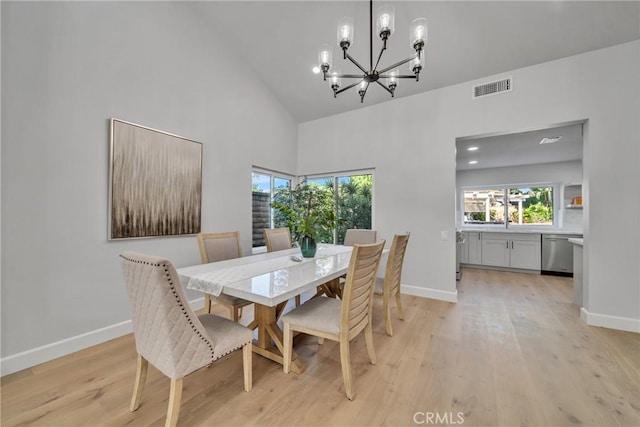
{"type": "Point", "coordinates": [270, 280]}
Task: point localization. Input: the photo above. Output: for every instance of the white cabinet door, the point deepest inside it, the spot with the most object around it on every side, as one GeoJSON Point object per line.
{"type": "Point", "coordinates": [495, 252]}
{"type": "Point", "coordinates": [464, 255]}
{"type": "Point", "coordinates": [474, 245]}
{"type": "Point", "coordinates": [525, 254]}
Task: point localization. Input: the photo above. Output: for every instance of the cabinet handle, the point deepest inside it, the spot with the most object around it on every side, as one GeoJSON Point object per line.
{"type": "Point", "coordinates": [512, 244]}
{"type": "Point", "coordinates": [507, 244]}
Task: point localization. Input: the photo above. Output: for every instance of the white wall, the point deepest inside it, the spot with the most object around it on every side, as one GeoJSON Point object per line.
{"type": "Point", "coordinates": [67, 67]}
{"type": "Point", "coordinates": [558, 173]}
{"type": "Point", "coordinates": [411, 143]}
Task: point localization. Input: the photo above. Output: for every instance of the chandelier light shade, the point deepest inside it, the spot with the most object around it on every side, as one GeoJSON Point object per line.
{"type": "Point", "coordinates": [345, 32]}
{"type": "Point", "coordinates": [386, 77]}
{"type": "Point", "coordinates": [418, 34]}
{"type": "Point", "coordinates": [386, 18]}
{"type": "Point", "coordinates": [325, 58]}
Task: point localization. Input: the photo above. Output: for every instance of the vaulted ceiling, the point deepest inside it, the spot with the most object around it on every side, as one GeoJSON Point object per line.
{"type": "Point", "coordinates": [279, 41]}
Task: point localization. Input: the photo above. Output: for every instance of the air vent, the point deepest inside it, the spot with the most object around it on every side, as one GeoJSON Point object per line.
{"type": "Point", "coordinates": [492, 88]}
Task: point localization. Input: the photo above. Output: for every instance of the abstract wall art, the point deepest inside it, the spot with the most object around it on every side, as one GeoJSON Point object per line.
{"type": "Point", "coordinates": [155, 183]}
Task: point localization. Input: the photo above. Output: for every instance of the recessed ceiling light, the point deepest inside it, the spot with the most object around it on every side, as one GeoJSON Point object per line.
{"type": "Point", "coordinates": [473, 162]}
{"type": "Point", "coordinates": [472, 148]}
{"type": "Point", "coordinates": [550, 140]}
{"type": "Point", "coordinates": [315, 69]}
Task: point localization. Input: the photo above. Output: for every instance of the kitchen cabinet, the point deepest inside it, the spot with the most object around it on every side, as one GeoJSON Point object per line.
{"type": "Point", "coordinates": [473, 247]}
{"type": "Point", "coordinates": [512, 250]}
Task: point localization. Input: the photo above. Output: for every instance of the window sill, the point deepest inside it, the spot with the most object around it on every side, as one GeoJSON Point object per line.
{"type": "Point", "coordinates": [259, 250]}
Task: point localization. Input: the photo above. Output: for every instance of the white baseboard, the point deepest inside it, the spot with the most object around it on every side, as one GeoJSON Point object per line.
{"type": "Point", "coordinates": [611, 322]}
{"type": "Point", "coordinates": [430, 293]}
{"type": "Point", "coordinates": [45, 353]}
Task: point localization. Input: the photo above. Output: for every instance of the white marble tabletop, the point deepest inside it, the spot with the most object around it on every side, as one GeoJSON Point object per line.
{"type": "Point", "coordinates": [268, 278]}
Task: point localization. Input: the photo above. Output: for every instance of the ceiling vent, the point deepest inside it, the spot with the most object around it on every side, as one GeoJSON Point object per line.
{"type": "Point", "coordinates": [492, 88]}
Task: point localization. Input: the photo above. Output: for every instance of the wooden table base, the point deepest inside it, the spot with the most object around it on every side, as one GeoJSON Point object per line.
{"type": "Point", "coordinates": [269, 333]}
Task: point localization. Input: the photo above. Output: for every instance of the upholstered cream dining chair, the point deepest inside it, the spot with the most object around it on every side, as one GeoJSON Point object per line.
{"type": "Point", "coordinates": [389, 287]}
{"type": "Point", "coordinates": [169, 335]}
{"type": "Point", "coordinates": [356, 236]}
{"type": "Point", "coordinates": [278, 239]}
{"type": "Point", "coordinates": [219, 247]}
{"type": "Point", "coordinates": [340, 320]}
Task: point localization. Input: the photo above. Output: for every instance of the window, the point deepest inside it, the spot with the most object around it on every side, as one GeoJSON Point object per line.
{"type": "Point", "coordinates": [263, 185]}
{"type": "Point", "coordinates": [484, 206]}
{"type": "Point", "coordinates": [530, 206]}
{"type": "Point", "coordinates": [509, 206]}
{"type": "Point", "coordinates": [353, 196]}
{"type": "Point", "coordinates": [353, 202]}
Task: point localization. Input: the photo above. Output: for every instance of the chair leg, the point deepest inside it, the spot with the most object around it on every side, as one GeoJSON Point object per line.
{"type": "Point", "coordinates": [386, 309]}
{"type": "Point", "coordinates": [207, 303]}
{"type": "Point", "coordinates": [399, 305]}
{"type": "Point", "coordinates": [247, 354]}
{"type": "Point", "coordinates": [239, 312]}
{"type": "Point", "coordinates": [297, 300]}
{"type": "Point", "coordinates": [138, 387]}
{"type": "Point", "coordinates": [345, 362]}
{"type": "Point", "coordinates": [234, 313]}
{"type": "Point", "coordinates": [368, 337]}
{"type": "Point", "coordinates": [175, 396]}
{"type": "Point", "coordinates": [287, 343]}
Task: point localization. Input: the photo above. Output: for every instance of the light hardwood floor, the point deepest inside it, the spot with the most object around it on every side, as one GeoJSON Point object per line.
{"type": "Point", "coordinates": [511, 352]}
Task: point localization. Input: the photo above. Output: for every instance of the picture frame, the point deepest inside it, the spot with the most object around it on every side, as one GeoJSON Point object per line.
{"type": "Point", "coordinates": [155, 183]}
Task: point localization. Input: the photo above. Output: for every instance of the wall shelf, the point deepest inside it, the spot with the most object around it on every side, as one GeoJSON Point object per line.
{"type": "Point", "coordinates": [574, 206]}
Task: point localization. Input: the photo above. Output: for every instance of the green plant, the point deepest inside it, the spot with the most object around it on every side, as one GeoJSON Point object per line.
{"type": "Point", "coordinates": [538, 214]}
{"type": "Point", "coordinates": [307, 210]}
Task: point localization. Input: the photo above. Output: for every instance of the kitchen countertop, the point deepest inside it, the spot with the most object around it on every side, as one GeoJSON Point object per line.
{"type": "Point", "coordinates": [519, 230]}
{"type": "Point", "coordinates": [576, 241]}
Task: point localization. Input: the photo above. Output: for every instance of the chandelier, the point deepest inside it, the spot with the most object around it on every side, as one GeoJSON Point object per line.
{"type": "Point", "coordinates": [390, 74]}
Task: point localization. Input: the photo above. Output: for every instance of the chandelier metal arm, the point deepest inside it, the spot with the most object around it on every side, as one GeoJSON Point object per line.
{"type": "Point", "coordinates": [348, 76]}
{"type": "Point", "coordinates": [349, 87]}
{"type": "Point", "coordinates": [385, 88]}
{"type": "Point", "coordinates": [384, 47]}
{"type": "Point", "coordinates": [350, 58]}
{"type": "Point", "coordinates": [397, 64]}
{"type": "Point", "coordinates": [370, 39]}
{"type": "Point", "coordinates": [388, 76]}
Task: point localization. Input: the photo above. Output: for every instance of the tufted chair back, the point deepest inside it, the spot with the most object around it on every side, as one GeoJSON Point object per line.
{"type": "Point", "coordinates": [167, 332]}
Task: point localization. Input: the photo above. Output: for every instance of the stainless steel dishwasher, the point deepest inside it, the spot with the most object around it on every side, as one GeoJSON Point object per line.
{"type": "Point", "coordinates": [557, 254]}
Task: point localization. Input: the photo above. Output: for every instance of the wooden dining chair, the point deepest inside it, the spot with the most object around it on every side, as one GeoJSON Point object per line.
{"type": "Point", "coordinates": [340, 320]}
{"type": "Point", "coordinates": [220, 247]}
{"type": "Point", "coordinates": [356, 236]}
{"type": "Point", "coordinates": [389, 286]}
{"type": "Point", "coordinates": [279, 239]}
{"type": "Point", "coordinates": [169, 335]}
